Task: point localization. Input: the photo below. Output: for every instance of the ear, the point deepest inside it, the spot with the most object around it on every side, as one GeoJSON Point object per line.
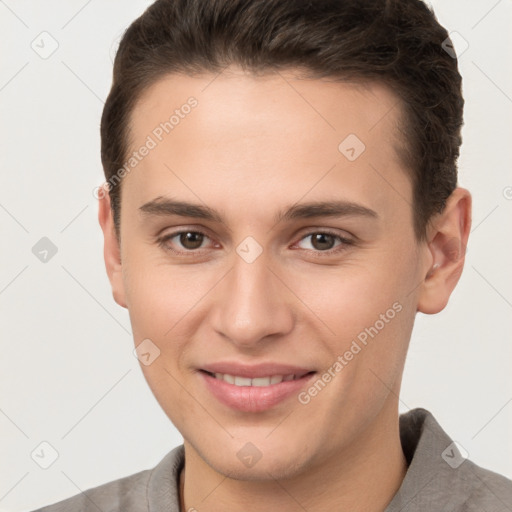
{"type": "Point", "coordinates": [111, 249]}
{"type": "Point", "coordinates": [447, 237]}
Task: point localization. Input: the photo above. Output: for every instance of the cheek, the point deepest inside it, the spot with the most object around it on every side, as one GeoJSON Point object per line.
{"type": "Point", "coordinates": [365, 314]}
{"type": "Point", "coordinates": [347, 298]}
{"type": "Point", "coordinates": [166, 385]}
{"type": "Point", "coordinates": [162, 299]}
{"type": "Point", "coordinates": [159, 298]}
{"type": "Point", "coordinates": [158, 294]}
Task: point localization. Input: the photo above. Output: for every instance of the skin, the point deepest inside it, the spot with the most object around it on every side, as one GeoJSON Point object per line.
{"type": "Point", "coordinates": [253, 147]}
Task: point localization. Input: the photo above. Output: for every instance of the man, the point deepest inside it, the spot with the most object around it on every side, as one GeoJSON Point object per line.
{"type": "Point", "coordinates": [281, 201]}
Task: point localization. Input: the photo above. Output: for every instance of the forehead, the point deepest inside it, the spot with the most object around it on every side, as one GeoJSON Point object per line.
{"type": "Point", "coordinates": [230, 99]}
{"type": "Point", "coordinates": [249, 134]}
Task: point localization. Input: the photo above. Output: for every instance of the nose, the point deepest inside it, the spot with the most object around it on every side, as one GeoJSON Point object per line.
{"type": "Point", "coordinates": [253, 306]}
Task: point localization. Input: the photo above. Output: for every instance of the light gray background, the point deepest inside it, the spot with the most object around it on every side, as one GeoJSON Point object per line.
{"type": "Point", "coordinates": [68, 375]}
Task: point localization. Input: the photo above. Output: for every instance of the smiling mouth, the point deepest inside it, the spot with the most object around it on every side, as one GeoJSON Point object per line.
{"type": "Point", "coordinates": [269, 380]}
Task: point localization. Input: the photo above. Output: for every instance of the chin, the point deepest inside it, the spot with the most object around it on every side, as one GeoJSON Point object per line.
{"type": "Point", "coordinates": [261, 472]}
{"type": "Point", "coordinates": [275, 463]}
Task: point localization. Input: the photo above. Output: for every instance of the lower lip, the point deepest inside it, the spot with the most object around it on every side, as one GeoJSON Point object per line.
{"type": "Point", "coordinates": [253, 398]}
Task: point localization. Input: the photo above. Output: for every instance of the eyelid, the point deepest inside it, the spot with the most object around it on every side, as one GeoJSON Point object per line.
{"type": "Point", "coordinates": [163, 239]}
{"type": "Point", "coordinates": [345, 241]}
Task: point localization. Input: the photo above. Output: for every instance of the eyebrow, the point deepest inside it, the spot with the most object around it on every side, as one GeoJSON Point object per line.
{"type": "Point", "coordinates": [162, 206]}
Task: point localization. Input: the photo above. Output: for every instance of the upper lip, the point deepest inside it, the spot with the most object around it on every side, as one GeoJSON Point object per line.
{"type": "Point", "coordinates": [255, 370]}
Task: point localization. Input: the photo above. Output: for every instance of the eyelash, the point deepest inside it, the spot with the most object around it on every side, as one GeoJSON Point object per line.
{"type": "Point", "coordinates": [345, 242]}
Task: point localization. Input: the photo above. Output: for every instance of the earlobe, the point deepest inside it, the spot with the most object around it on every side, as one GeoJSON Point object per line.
{"type": "Point", "coordinates": [111, 248]}
{"type": "Point", "coordinates": [448, 235]}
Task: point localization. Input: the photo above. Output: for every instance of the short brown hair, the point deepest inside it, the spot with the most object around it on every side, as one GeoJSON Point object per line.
{"type": "Point", "coordinates": [396, 42]}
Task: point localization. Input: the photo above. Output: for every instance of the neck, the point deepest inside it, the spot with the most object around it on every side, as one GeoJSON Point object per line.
{"type": "Point", "coordinates": [363, 477]}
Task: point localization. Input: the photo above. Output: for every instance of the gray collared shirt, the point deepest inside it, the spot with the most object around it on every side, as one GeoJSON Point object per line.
{"type": "Point", "coordinates": [438, 479]}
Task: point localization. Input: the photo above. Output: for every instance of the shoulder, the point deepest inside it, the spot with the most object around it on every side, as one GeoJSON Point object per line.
{"type": "Point", "coordinates": [439, 474]}
{"type": "Point", "coordinates": [149, 489]}
{"type": "Point", "coordinates": [486, 490]}
{"type": "Point", "coordinates": [127, 494]}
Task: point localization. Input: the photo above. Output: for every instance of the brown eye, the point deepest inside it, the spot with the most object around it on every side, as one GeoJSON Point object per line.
{"type": "Point", "coordinates": [182, 242]}
{"type": "Point", "coordinates": [322, 241]}
{"type": "Point", "coordinates": [191, 239]}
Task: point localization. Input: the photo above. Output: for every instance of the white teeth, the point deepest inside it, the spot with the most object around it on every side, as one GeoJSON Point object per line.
{"type": "Point", "coordinates": [260, 381]}
{"type": "Point", "coordinates": [257, 381]}
{"type": "Point", "coordinates": [228, 378]}
{"type": "Point", "coordinates": [276, 379]}
{"type": "Point", "coordinates": [242, 381]}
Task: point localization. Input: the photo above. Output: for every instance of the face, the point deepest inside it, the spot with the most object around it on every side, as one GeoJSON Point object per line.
{"type": "Point", "coordinates": [269, 234]}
